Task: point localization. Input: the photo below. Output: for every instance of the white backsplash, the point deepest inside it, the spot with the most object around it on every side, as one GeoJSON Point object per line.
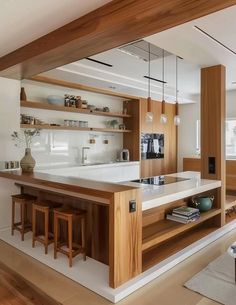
{"type": "Point", "coordinates": [63, 147]}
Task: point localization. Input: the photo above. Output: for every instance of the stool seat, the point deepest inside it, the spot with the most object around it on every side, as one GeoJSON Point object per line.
{"type": "Point", "coordinates": [70, 212]}
{"type": "Point", "coordinates": [23, 197]}
{"type": "Point", "coordinates": [48, 203]}
{"type": "Point", "coordinates": [69, 248]}
{"type": "Point", "coordinates": [24, 225]}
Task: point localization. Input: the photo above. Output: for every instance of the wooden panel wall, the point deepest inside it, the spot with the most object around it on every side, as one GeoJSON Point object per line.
{"type": "Point", "coordinates": [169, 163]}
{"type": "Point", "coordinates": [213, 125]}
{"type": "Point", "coordinates": [125, 240]}
{"type": "Point", "coordinates": [131, 140]}
{"type": "Point", "coordinates": [192, 164]}
{"type": "Point", "coordinates": [97, 224]}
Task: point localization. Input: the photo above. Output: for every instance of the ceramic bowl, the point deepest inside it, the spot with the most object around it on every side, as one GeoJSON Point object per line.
{"type": "Point", "coordinates": [55, 100]}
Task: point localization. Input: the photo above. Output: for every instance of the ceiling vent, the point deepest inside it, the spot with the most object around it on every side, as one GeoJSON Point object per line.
{"type": "Point", "coordinates": [139, 49]}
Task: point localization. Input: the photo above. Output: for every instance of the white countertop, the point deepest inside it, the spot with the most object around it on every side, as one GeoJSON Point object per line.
{"type": "Point", "coordinates": [58, 169]}
{"type": "Point", "coordinates": [154, 196]}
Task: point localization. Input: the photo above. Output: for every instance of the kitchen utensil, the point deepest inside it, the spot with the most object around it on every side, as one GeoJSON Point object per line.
{"type": "Point", "coordinates": [124, 155]}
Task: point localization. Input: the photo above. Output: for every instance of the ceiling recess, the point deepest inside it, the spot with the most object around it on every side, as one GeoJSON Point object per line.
{"type": "Point", "coordinates": [99, 62]}
{"type": "Point", "coordinates": [155, 79]}
{"type": "Point", "coordinates": [214, 39]}
{"type": "Point", "coordinates": [139, 49]}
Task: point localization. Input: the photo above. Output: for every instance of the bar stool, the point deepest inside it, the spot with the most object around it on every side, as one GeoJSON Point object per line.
{"type": "Point", "coordinates": [24, 225]}
{"type": "Point", "coordinates": [73, 249]}
{"type": "Point", "coordinates": [45, 209]}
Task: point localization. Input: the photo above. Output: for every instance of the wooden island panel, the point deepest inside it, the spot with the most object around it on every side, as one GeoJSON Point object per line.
{"type": "Point", "coordinates": [97, 220]}
{"type": "Point", "coordinates": [125, 240]}
{"type": "Point", "coordinates": [114, 233]}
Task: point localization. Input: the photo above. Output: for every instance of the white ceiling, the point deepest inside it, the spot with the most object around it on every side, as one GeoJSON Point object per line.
{"type": "Point", "coordinates": [25, 20]}
{"type": "Point", "coordinates": [197, 49]}
{"type": "Point", "coordinates": [127, 75]}
{"type": "Point", "coordinates": [22, 21]}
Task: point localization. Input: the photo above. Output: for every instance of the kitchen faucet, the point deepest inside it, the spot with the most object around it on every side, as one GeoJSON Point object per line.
{"type": "Point", "coordinates": [84, 154]}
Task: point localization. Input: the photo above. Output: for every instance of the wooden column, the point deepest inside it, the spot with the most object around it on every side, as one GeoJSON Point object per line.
{"type": "Point", "coordinates": [125, 237]}
{"type": "Point", "coordinates": [213, 129]}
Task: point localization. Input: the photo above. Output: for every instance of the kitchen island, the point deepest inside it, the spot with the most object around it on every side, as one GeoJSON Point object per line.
{"type": "Point", "coordinates": [128, 229]}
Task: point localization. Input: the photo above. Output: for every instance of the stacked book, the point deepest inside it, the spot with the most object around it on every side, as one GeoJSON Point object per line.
{"type": "Point", "coordinates": [184, 214]}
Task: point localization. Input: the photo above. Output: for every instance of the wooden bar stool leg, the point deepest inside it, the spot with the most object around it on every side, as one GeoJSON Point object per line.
{"type": "Point", "coordinates": [46, 231]}
{"type": "Point", "coordinates": [13, 217]}
{"type": "Point", "coordinates": [70, 240]}
{"type": "Point", "coordinates": [83, 238]}
{"type": "Point", "coordinates": [33, 226]}
{"type": "Point", "coordinates": [55, 236]}
{"type": "Point", "coordinates": [22, 209]}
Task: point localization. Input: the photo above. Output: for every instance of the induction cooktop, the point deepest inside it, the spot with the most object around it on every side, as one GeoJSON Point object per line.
{"type": "Point", "coordinates": [159, 180]}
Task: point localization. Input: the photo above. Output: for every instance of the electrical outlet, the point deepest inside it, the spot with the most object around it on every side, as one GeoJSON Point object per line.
{"type": "Point", "coordinates": [132, 206]}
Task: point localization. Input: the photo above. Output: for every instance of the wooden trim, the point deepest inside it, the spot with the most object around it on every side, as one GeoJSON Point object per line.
{"type": "Point", "coordinates": [44, 126]}
{"type": "Point", "coordinates": [116, 23]}
{"type": "Point", "coordinates": [62, 83]}
{"type": "Point", "coordinates": [46, 106]}
{"type": "Point", "coordinates": [70, 184]}
{"type": "Point", "coordinates": [213, 127]}
{"type": "Point", "coordinates": [160, 231]}
{"type": "Point", "coordinates": [125, 238]}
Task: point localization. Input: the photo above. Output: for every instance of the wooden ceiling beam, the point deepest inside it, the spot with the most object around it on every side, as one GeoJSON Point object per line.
{"type": "Point", "coordinates": [114, 24]}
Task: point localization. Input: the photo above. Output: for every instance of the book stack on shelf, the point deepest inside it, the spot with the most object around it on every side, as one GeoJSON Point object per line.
{"type": "Point", "coordinates": [184, 214]}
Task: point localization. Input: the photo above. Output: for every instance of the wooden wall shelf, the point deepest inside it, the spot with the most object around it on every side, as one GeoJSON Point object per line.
{"type": "Point", "coordinates": [165, 229]}
{"type": "Point", "coordinates": [28, 126]}
{"type": "Point", "coordinates": [45, 106]}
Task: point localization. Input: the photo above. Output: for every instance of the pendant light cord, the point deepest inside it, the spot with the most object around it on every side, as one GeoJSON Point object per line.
{"type": "Point", "coordinates": [163, 74]}
{"type": "Point", "coordinates": [176, 79]}
{"type": "Point", "coordinates": [149, 70]}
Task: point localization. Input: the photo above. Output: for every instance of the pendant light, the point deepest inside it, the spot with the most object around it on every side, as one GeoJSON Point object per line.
{"type": "Point", "coordinates": [149, 114]}
{"type": "Point", "coordinates": [163, 118]}
{"type": "Point", "coordinates": [176, 117]}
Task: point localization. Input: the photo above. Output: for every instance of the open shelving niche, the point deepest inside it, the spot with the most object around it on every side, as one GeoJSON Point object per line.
{"type": "Point", "coordinates": [161, 237]}
{"type": "Point", "coordinates": [131, 135]}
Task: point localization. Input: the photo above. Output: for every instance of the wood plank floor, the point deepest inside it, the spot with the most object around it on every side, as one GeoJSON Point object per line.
{"type": "Point", "coordinates": [168, 289]}
{"type": "Point", "coordinates": [14, 290]}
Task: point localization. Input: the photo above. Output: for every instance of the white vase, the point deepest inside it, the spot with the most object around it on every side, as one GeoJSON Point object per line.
{"type": "Point", "coordinates": [27, 163]}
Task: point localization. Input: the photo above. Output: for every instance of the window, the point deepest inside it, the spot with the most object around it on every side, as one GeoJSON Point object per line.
{"type": "Point", "coordinates": [230, 138]}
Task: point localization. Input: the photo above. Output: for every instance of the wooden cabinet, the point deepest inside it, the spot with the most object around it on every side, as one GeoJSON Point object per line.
{"type": "Point", "coordinates": [167, 165]}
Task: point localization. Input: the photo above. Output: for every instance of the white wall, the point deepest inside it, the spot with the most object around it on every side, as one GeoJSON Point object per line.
{"type": "Point", "coordinates": [189, 114]}
{"type": "Point", "coordinates": [63, 147]}
{"type": "Point", "coordinates": [9, 122]}
{"type": "Point", "coordinates": [9, 117]}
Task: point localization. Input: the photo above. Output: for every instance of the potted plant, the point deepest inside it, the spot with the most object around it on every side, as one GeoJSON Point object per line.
{"type": "Point", "coordinates": [25, 139]}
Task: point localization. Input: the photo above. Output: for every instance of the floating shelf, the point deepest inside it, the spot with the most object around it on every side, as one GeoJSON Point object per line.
{"type": "Point", "coordinates": [165, 229]}
{"type": "Point", "coordinates": [157, 254]}
{"type": "Point", "coordinates": [28, 126]}
{"type": "Point", "coordinates": [46, 106]}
